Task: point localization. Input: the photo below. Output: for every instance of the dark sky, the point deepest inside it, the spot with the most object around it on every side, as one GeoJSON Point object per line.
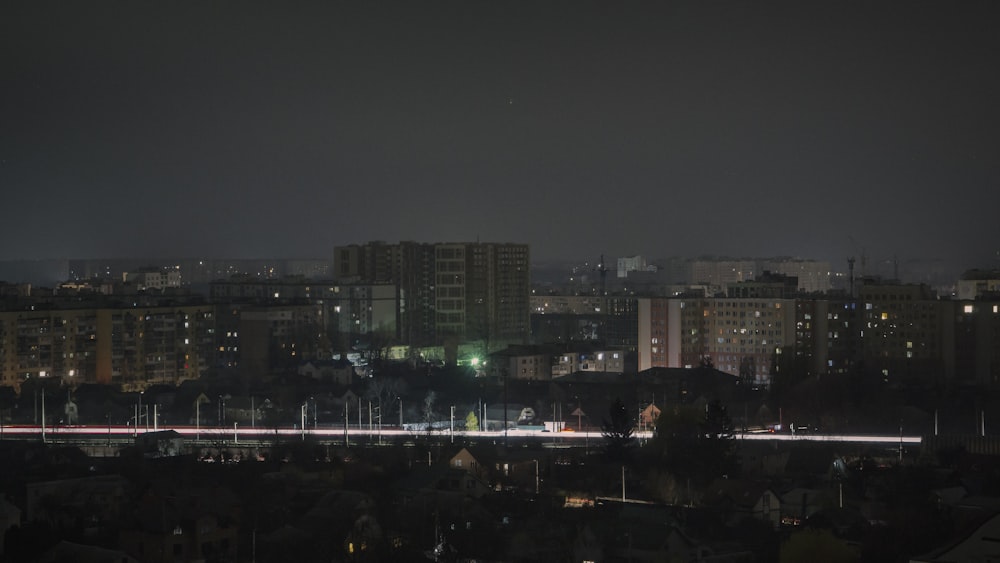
{"type": "Point", "coordinates": [804, 128]}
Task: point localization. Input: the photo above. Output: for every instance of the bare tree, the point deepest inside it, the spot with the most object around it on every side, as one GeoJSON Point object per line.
{"type": "Point", "coordinates": [429, 415]}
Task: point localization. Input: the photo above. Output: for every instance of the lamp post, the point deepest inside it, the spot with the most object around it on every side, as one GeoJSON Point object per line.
{"type": "Point", "coordinates": [43, 415]}
{"type": "Point", "coordinates": [302, 416]}
{"type": "Point", "coordinates": [400, 399]}
{"type": "Point", "coordinates": [536, 476]}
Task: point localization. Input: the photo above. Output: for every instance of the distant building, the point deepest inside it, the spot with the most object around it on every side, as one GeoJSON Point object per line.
{"type": "Point", "coordinates": [129, 345]}
{"type": "Point", "coordinates": [813, 276]}
{"type": "Point", "coordinates": [720, 272]}
{"type": "Point", "coordinates": [154, 278]}
{"type": "Point", "coordinates": [738, 335]}
{"type": "Point", "coordinates": [976, 284]}
{"type": "Point", "coordinates": [448, 292]}
{"type": "Point", "coordinates": [521, 362]}
{"type": "Point", "coordinates": [628, 264]}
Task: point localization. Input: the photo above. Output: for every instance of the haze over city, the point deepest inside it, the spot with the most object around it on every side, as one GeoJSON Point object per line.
{"type": "Point", "coordinates": [820, 130]}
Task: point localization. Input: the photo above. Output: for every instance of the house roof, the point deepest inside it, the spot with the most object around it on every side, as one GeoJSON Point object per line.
{"type": "Point", "coordinates": [741, 493]}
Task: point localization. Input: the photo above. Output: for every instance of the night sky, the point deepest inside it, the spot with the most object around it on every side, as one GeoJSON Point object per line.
{"type": "Point", "coordinates": [807, 128]}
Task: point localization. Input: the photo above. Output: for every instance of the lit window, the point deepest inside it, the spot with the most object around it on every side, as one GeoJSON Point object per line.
{"type": "Point", "coordinates": [968, 309]}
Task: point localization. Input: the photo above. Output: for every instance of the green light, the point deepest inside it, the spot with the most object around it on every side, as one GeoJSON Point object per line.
{"type": "Point", "coordinates": [475, 361]}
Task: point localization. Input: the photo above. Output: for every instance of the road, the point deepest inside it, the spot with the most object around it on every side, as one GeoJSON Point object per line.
{"type": "Point", "coordinates": [236, 433]}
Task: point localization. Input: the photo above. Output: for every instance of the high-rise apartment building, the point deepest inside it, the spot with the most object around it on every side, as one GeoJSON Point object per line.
{"type": "Point", "coordinates": [127, 346]}
{"type": "Point", "coordinates": [448, 291]}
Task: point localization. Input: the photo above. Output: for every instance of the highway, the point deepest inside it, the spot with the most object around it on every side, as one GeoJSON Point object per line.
{"type": "Point", "coordinates": [236, 433]}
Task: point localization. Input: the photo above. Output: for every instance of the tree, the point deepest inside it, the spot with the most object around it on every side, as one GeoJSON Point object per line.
{"type": "Point", "coordinates": [718, 446]}
{"type": "Point", "coordinates": [695, 443]}
{"type": "Point", "coordinates": [471, 422]}
{"type": "Point", "coordinates": [816, 546]}
{"type": "Point", "coordinates": [428, 411]}
{"type": "Point", "coordinates": [748, 370]}
{"type": "Point", "coordinates": [617, 431]}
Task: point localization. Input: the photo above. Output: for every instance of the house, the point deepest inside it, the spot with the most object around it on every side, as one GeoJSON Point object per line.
{"type": "Point", "coordinates": [248, 411]}
{"type": "Point", "coordinates": [165, 443]}
{"type": "Point", "coordinates": [801, 503]}
{"type": "Point", "coordinates": [442, 479]}
{"type": "Point", "coordinates": [515, 414]}
{"type": "Point", "coordinates": [166, 535]}
{"type": "Point", "coordinates": [649, 415]}
{"type": "Point", "coordinates": [80, 553]}
{"type": "Point", "coordinates": [68, 503]}
{"type": "Point", "coordinates": [465, 461]}
{"type": "Point", "coordinates": [182, 525]}
{"type": "Point", "coordinates": [736, 499]}
{"type": "Point", "coordinates": [339, 372]}
{"type": "Point", "coordinates": [979, 545]}
{"type": "Point", "coordinates": [10, 516]}
{"type": "Point", "coordinates": [521, 363]}
{"type": "Point", "coordinates": [761, 459]}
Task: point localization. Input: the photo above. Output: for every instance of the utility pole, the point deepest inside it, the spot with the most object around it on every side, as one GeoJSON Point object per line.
{"type": "Point", "coordinates": [901, 442]}
{"type": "Point", "coordinates": [43, 415]}
{"type": "Point", "coordinates": [453, 424]}
{"type": "Point", "coordinates": [536, 477]}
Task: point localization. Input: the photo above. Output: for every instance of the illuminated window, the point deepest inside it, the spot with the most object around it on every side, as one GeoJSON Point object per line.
{"type": "Point", "coordinates": [885, 316]}
{"type": "Point", "coordinates": [967, 309]}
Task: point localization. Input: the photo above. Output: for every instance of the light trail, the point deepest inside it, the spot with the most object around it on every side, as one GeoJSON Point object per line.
{"type": "Point", "coordinates": [330, 433]}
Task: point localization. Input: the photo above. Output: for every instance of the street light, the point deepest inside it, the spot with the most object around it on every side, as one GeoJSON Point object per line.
{"type": "Point", "coordinates": [302, 417]}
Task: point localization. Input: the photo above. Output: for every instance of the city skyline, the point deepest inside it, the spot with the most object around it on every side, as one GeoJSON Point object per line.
{"type": "Point", "coordinates": [818, 131]}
